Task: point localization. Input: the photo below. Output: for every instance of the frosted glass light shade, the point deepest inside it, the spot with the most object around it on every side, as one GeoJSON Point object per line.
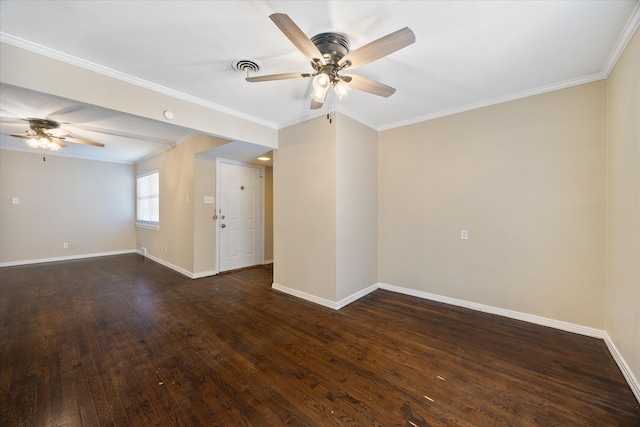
{"type": "Point", "coordinates": [32, 142]}
{"type": "Point", "coordinates": [342, 89]}
{"type": "Point", "coordinates": [321, 81]}
{"type": "Point", "coordinates": [319, 94]}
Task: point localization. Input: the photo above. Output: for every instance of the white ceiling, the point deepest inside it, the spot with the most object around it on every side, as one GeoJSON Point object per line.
{"type": "Point", "coordinates": [467, 54]}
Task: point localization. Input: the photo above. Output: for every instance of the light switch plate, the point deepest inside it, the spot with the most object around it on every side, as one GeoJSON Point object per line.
{"type": "Point", "coordinates": [209, 199]}
{"type": "Point", "coordinates": [15, 201]}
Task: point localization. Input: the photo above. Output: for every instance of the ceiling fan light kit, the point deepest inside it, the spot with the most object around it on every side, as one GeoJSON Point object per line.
{"type": "Point", "coordinates": [329, 54]}
{"type": "Point", "coordinates": [41, 135]}
{"type": "Point", "coordinates": [44, 142]}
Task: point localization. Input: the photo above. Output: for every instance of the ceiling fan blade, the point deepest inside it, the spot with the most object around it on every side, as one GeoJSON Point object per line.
{"type": "Point", "coordinates": [58, 132]}
{"type": "Point", "coordinates": [315, 104]}
{"type": "Point", "coordinates": [379, 48]}
{"type": "Point", "coordinates": [60, 143]}
{"type": "Point", "coordinates": [282, 76]}
{"type": "Point", "coordinates": [18, 136]}
{"type": "Point", "coordinates": [10, 120]}
{"type": "Point", "coordinates": [371, 86]}
{"type": "Point", "coordinates": [81, 141]}
{"type": "Point", "coordinates": [57, 140]}
{"type": "Point", "coordinates": [297, 36]}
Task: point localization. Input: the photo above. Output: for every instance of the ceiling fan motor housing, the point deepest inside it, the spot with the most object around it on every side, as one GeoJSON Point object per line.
{"type": "Point", "coordinates": [40, 124]}
{"type": "Point", "coordinates": [333, 46]}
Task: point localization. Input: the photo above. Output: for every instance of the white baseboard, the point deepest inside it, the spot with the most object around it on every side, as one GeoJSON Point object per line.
{"type": "Point", "coordinates": [624, 368]}
{"type": "Point", "coordinates": [65, 258]}
{"type": "Point", "coordinates": [325, 302]}
{"type": "Point", "coordinates": [348, 300]}
{"type": "Point", "coordinates": [171, 266]}
{"type": "Point", "coordinates": [180, 270]}
{"type": "Point", "coordinates": [302, 295]}
{"type": "Point", "coordinates": [538, 320]}
{"type": "Point", "coordinates": [203, 274]}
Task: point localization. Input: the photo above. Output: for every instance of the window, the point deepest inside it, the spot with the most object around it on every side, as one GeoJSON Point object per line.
{"type": "Point", "coordinates": [148, 194]}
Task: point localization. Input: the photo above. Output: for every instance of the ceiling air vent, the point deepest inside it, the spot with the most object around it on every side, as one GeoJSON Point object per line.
{"type": "Point", "coordinates": [246, 66]}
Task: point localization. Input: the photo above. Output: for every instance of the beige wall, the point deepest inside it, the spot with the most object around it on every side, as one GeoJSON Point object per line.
{"type": "Point", "coordinates": [268, 214]}
{"type": "Point", "coordinates": [304, 204]}
{"type": "Point", "coordinates": [527, 180]}
{"type": "Point", "coordinates": [623, 213]}
{"type": "Point", "coordinates": [204, 243]}
{"type": "Point", "coordinates": [174, 242]}
{"type": "Point", "coordinates": [85, 203]}
{"type": "Point", "coordinates": [356, 207]}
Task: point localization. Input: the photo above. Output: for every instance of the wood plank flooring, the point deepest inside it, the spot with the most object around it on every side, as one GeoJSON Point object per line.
{"type": "Point", "coordinates": [123, 341]}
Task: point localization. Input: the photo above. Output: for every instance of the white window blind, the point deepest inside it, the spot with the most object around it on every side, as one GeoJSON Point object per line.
{"type": "Point", "coordinates": [148, 193]}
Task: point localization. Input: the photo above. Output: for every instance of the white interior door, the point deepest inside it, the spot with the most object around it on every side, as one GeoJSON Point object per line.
{"type": "Point", "coordinates": [240, 216]}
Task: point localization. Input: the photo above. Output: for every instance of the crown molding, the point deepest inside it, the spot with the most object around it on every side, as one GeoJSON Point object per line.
{"type": "Point", "coordinates": [314, 114]}
{"type": "Point", "coordinates": [621, 44]}
{"type": "Point", "coordinates": [96, 68]}
{"type": "Point", "coordinates": [334, 109]}
{"type": "Point", "coordinates": [358, 118]}
{"type": "Point", "coordinates": [499, 100]}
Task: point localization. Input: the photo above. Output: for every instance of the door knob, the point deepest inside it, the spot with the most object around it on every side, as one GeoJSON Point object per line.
{"type": "Point", "coordinates": [223, 226]}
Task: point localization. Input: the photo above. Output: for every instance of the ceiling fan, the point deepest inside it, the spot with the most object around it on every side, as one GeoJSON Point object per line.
{"type": "Point", "coordinates": [330, 55]}
{"type": "Point", "coordinates": [47, 134]}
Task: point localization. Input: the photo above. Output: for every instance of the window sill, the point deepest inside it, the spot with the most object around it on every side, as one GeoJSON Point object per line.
{"type": "Point", "coordinates": [149, 226]}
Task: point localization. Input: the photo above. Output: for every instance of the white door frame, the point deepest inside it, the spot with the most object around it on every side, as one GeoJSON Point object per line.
{"type": "Point", "coordinates": [261, 243]}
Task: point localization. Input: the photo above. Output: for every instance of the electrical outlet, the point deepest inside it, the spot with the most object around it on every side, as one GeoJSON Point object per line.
{"type": "Point", "coordinates": [65, 245]}
{"type": "Point", "coordinates": [15, 200]}
{"type": "Point", "coordinates": [464, 234]}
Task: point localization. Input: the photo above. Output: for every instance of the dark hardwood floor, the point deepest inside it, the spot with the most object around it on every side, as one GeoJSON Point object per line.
{"type": "Point", "coordinates": [124, 341]}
